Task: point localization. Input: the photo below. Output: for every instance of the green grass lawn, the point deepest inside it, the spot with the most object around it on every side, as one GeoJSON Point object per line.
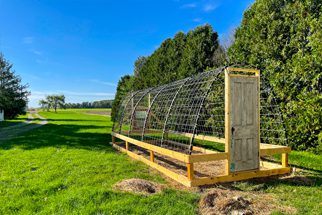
{"type": "Point", "coordinates": [84, 109]}
{"type": "Point", "coordinates": [68, 167]}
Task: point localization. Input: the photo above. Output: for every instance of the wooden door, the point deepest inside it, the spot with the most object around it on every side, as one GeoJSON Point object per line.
{"type": "Point", "coordinates": [244, 123]}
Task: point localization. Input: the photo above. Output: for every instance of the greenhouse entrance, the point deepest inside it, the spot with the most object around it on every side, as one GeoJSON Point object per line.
{"type": "Point", "coordinates": [244, 122]}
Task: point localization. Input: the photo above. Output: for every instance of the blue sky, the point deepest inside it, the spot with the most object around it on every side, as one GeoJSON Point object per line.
{"type": "Point", "coordinates": [81, 48]}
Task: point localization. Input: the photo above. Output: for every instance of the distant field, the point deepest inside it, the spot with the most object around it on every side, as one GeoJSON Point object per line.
{"type": "Point", "coordinates": [68, 167]}
{"type": "Point", "coordinates": [88, 109]}
{"type": "Point", "coordinates": [93, 111]}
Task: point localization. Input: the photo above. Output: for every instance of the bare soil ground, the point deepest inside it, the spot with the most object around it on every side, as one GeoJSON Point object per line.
{"type": "Point", "coordinates": [140, 186]}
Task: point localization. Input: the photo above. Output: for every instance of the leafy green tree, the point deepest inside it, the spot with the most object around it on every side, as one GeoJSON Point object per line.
{"type": "Point", "coordinates": [201, 43]}
{"type": "Point", "coordinates": [124, 86]}
{"type": "Point", "coordinates": [13, 94]}
{"type": "Point", "coordinates": [44, 105]}
{"type": "Point", "coordinates": [283, 39]}
{"type": "Point", "coordinates": [179, 57]}
{"type": "Point", "coordinates": [53, 101]}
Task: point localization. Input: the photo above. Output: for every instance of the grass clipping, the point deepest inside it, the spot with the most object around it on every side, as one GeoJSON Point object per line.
{"type": "Point", "coordinates": [139, 186]}
{"type": "Point", "coordinates": [219, 201]}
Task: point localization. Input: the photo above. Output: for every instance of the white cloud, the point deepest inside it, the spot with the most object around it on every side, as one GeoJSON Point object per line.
{"type": "Point", "coordinates": [103, 82]}
{"type": "Point", "coordinates": [36, 52]}
{"type": "Point", "coordinates": [209, 7]}
{"type": "Point", "coordinates": [197, 20]}
{"type": "Point", "coordinates": [190, 5]}
{"type": "Point", "coordinates": [27, 40]}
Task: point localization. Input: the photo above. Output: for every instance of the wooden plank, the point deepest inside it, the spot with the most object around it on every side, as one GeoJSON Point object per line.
{"type": "Point", "coordinates": [269, 165]}
{"type": "Point", "coordinates": [190, 171]}
{"type": "Point", "coordinates": [285, 160]}
{"type": "Point", "coordinates": [227, 121]}
{"type": "Point", "coordinates": [205, 137]}
{"type": "Point", "coordinates": [203, 150]}
{"type": "Point", "coordinates": [239, 176]}
{"type": "Point", "coordinates": [242, 76]}
{"type": "Point", "coordinates": [175, 176]}
{"type": "Point", "coordinates": [233, 69]}
{"type": "Point", "coordinates": [173, 154]}
{"type": "Point", "coordinates": [208, 157]}
{"type": "Point", "coordinates": [268, 149]}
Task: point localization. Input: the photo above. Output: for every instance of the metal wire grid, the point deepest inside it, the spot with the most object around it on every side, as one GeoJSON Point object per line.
{"type": "Point", "coordinates": [157, 116]}
{"type": "Point", "coordinates": [142, 108]}
{"type": "Point", "coordinates": [182, 119]}
{"type": "Point", "coordinates": [171, 115]}
{"type": "Point", "coordinates": [272, 128]}
{"type": "Point", "coordinates": [130, 111]}
{"type": "Point", "coordinates": [211, 120]}
{"type": "Point", "coordinates": [119, 116]}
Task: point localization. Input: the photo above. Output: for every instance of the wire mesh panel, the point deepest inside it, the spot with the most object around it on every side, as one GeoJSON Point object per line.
{"type": "Point", "coordinates": [129, 111]}
{"type": "Point", "coordinates": [160, 107]}
{"type": "Point", "coordinates": [272, 128]}
{"type": "Point", "coordinates": [172, 115]}
{"type": "Point", "coordinates": [121, 111]}
{"type": "Point", "coordinates": [183, 115]}
{"type": "Point", "coordinates": [211, 120]}
{"type": "Point", "coordinates": [141, 111]}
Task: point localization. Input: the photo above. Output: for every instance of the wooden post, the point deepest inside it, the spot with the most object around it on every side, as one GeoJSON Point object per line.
{"type": "Point", "coordinates": [113, 139]}
{"type": "Point", "coordinates": [285, 160]}
{"type": "Point", "coordinates": [190, 171]}
{"type": "Point", "coordinates": [151, 156]}
{"type": "Point", "coordinates": [227, 122]}
{"type": "Point", "coordinates": [149, 100]}
{"type": "Point", "coordinates": [127, 145]}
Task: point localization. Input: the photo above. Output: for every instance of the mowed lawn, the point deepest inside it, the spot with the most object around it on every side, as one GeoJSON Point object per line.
{"type": "Point", "coordinates": [68, 167]}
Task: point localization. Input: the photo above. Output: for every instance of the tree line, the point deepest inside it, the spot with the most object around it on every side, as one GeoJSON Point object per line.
{"type": "Point", "coordinates": [182, 56]}
{"type": "Point", "coordinates": [95, 104]}
{"type": "Point", "coordinates": [58, 101]}
{"type": "Point", "coordinates": [13, 94]}
{"type": "Point", "coordinates": [282, 38]}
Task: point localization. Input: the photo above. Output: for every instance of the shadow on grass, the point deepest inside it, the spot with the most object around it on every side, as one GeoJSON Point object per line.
{"type": "Point", "coordinates": [62, 136]}
{"type": "Point", "coordinates": [6, 124]}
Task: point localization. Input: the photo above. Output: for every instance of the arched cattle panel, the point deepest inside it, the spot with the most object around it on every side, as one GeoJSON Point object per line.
{"type": "Point", "coordinates": [155, 92]}
{"type": "Point", "coordinates": [158, 112]}
{"type": "Point", "coordinates": [135, 112]}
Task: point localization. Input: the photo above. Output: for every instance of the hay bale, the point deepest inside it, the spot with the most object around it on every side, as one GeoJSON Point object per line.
{"type": "Point", "coordinates": [139, 186]}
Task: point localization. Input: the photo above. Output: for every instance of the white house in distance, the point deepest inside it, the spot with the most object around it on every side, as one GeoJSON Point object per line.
{"type": "Point", "coordinates": [1, 115]}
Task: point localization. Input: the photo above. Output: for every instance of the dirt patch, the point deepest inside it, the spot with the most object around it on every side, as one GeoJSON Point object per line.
{"type": "Point", "coordinates": [139, 186]}
{"type": "Point", "coordinates": [220, 201]}
{"type": "Point", "coordinates": [298, 180]}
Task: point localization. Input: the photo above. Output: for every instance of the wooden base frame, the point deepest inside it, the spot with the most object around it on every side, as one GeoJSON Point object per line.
{"type": "Point", "coordinates": [267, 168]}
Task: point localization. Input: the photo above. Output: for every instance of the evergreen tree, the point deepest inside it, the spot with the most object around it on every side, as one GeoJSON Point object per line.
{"type": "Point", "coordinates": [283, 39]}
{"type": "Point", "coordinates": [124, 86]}
{"type": "Point", "coordinates": [13, 94]}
